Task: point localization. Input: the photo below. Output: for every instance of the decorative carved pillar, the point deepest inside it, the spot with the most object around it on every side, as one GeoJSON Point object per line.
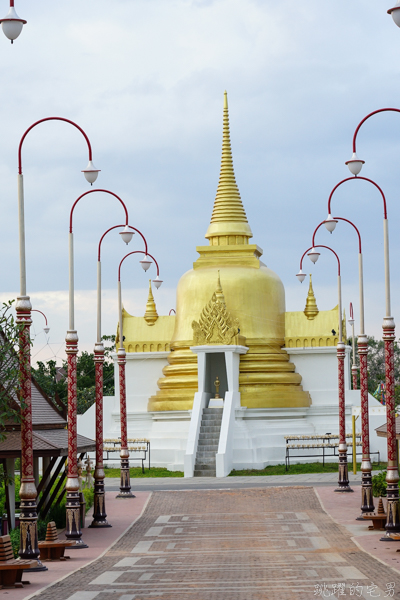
{"type": "Point", "coordinates": [99, 504]}
{"type": "Point", "coordinates": [28, 509]}
{"type": "Point", "coordinates": [73, 522]}
{"type": "Point", "coordinates": [367, 501]}
{"type": "Point", "coordinates": [343, 481]}
{"type": "Point", "coordinates": [125, 486]}
{"type": "Point", "coordinates": [392, 477]}
{"type": "Point", "coordinates": [354, 373]}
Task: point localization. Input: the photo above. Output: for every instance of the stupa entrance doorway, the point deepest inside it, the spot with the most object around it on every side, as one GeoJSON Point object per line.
{"type": "Point", "coordinates": [210, 360]}
{"type": "Point", "coordinates": [216, 380]}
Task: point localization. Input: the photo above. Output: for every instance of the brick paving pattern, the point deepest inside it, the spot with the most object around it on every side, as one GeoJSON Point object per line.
{"type": "Point", "coordinates": [249, 544]}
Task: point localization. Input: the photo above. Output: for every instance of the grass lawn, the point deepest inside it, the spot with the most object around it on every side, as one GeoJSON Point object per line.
{"type": "Point", "coordinates": [300, 469]}
{"type": "Point", "coordinates": [152, 472]}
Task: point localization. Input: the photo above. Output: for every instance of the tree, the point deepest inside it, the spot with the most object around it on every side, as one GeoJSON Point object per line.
{"type": "Point", "coordinates": [376, 365]}
{"type": "Point", "coordinates": [10, 397]}
{"type": "Point", "coordinates": [53, 379]}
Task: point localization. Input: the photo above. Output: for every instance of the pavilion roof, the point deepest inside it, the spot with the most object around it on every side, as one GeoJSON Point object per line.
{"type": "Point", "coordinates": [46, 442]}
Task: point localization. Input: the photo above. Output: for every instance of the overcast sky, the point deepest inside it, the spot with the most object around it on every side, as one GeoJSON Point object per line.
{"type": "Point", "coordinates": [145, 80]}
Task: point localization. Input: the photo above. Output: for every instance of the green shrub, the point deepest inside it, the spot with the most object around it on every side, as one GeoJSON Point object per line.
{"type": "Point", "coordinates": [41, 529]}
{"type": "Point", "coordinates": [57, 513]}
{"type": "Point", "coordinates": [379, 484]}
{"type": "Point", "coordinates": [89, 497]}
{"type": "Point", "coordinates": [14, 535]}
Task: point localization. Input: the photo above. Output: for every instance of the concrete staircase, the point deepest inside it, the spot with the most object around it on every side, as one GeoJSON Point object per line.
{"type": "Point", "coordinates": [207, 446]}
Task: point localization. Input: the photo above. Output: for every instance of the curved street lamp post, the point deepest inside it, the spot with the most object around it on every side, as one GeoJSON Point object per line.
{"type": "Point", "coordinates": [343, 481]}
{"type": "Point", "coordinates": [367, 502]}
{"type": "Point", "coordinates": [125, 485]}
{"type": "Point", "coordinates": [99, 506]}
{"type": "Point", "coordinates": [392, 478]}
{"type": "Point", "coordinates": [73, 527]}
{"type": "Point", "coordinates": [28, 494]}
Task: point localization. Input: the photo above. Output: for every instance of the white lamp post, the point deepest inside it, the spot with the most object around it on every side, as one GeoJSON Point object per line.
{"type": "Point", "coordinates": [125, 485]}
{"type": "Point", "coordinates": [73, 528]}
{"type": "Point", "coordinates": [343, 481]}
{"type": "Point", "coordinates": [28, 510]}
{"type": "Point", "coordinates": [99, 504]}
{"type": "Point", "coordinates": [367, 501]}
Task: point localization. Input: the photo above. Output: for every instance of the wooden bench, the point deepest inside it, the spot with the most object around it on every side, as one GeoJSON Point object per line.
{"type": "Point", "coordinates": [11, 568]}
{"type": "Point", "coordinates": [52, 548]}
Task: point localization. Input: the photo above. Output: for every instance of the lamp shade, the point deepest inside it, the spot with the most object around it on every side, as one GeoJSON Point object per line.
{"type": "Point", "coordinates": [157, 282]}
{"type": "Point", "coordinates": [330, 223]}
{"type": "Point", "coordinates": [12, 25]}
{"type": "Point", "coordinates": [395, 12]}
{"type": "Point", "coordinates": [146, 262]}
{"type": "Point", "coordinates": [351, 322]}
{"type": "Point", "coordinates": [91, 173]}
{"type": "Point", "coordinates": [301, 276]}
{"type": "Point", "coordinates": [355, 164]}
{"type": "Point", "coordinates": [126, 234]}
{"type": "Point", "coordinates": [314, 255]}
{"type": "Point", "coordinates": [46, 330]}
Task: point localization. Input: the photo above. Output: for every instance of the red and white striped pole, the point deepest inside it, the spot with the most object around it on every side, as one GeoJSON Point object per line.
{"type": "Point", "coordinates": [354, 368]}
{"type": "Point", "coordinates": [125, 487]}
{"type": "Point", "coordinates": [73, 519]}
{"type": "Point", "coordinates": [392, 477]}
{"type": "Point", "coordinates": [28, 509]}
{"type": "Point", "coordinates": [99, 503]}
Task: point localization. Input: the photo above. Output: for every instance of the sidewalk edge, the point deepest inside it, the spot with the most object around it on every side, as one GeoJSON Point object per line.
{"type": "Point", "coordinates": [354, 539]}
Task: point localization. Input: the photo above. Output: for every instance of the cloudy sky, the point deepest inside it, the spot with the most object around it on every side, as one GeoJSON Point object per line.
{"type": "Point", "coordinates": [145, 80]}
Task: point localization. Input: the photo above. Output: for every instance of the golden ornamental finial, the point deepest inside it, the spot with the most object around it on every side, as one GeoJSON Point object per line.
{"type": "Point", "coordinates": [311, 309]}
{"type": "Point", "coordinates": [229, 224]}
{"type": "Point", "coordinates": [151, 315]}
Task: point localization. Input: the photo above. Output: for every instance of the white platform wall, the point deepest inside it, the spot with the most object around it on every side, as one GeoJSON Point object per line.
{"type": "Point", "coordinates": [258, 438]}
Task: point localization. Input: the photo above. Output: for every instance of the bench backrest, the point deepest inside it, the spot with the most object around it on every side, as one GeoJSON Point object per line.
{"type": "Point", "coordinates": [6, 551]}
{"type": "Point", "coordinates": [51, 532]}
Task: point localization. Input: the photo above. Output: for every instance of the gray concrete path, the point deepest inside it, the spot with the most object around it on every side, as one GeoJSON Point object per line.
{"type": "Point", "coordinates": [181, 483]}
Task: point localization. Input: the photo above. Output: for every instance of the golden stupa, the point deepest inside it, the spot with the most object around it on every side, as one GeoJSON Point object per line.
{"type": "Point", "coordinates": [255, 300]}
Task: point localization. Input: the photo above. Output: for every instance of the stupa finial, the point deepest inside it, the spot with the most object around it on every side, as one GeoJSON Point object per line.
{"type": "Point", "coordinates": [151, 315]}
{"type": "Point", "coordinates": [311, 309]}
{"type": "Point", "coordinates": [229, 224]}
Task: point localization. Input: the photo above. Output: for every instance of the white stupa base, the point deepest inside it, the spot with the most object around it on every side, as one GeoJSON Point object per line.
{"type": "Point", "coordinates": [258, 435]}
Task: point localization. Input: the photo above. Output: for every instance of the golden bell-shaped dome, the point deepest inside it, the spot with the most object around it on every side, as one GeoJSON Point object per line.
{"type": "Point", "coordinates": [254, 297]}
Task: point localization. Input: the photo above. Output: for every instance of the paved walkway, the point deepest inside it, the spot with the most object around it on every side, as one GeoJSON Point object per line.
{"type": "Point", "coordinates": [239, 544]}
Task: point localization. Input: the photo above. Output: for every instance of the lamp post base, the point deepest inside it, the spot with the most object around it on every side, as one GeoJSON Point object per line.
{"type": "Point", "coordinates": [392, 508]}
{"type": "Point", "coordinates": [99, 504]}
{"type": "Point", "coordinates": [73, 517]}
{"type": "Point", "coordinates": [343, 481]}
{"type": "Point", "coordinates": [367, 500]}
{"type": "Point", "coordinates": [125, 486]}
{"type": "Point", "coordinates": [40, 567]}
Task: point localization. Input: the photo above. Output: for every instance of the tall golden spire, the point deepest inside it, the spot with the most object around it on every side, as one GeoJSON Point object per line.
{"type": "Point", "coordinates": [311, 309]}
{"type": "Point", "coordinates": [229, 224]}
{"type": "Point", "coordinates": [151, 314]}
